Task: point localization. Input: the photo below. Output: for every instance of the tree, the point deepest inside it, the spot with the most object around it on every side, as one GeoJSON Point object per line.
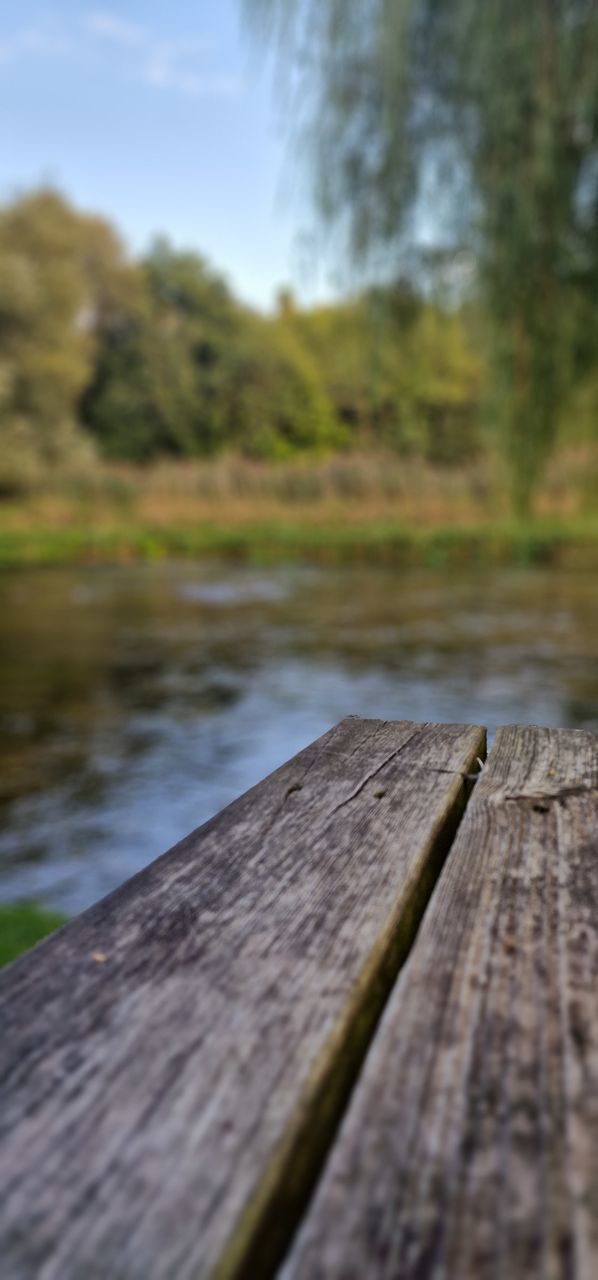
{"type": "Point", "coordinates": [400, 371]}
{"type": "Point", "coordinates": [60, 274]}
{"type": "Point", "coordinates": [162, 373]}
{"type": "Point", "coordinates": [279, 407]}
{"type": "Point", "coordinates": [498, 102]}
{"type": "Point", "coordinates": [184, 369]}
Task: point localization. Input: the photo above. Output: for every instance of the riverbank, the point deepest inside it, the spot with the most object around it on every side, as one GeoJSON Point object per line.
{"type": "Point", "coordinates": [563, 542]}
{"type": "Point", "coordinates": [371, 506]}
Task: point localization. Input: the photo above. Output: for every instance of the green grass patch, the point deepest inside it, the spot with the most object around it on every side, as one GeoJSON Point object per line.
{"type": "Point", "coordinates": [22, 924]}
{"type": "Point", "coordinates": [539, 542]}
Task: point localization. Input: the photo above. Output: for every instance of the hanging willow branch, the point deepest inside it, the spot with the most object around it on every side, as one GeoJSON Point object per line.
{"type": "Point", "coordinates": [499, 103]}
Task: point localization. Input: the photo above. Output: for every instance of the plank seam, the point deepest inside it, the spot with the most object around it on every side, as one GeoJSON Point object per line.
{"type": "Point", "coordinates": [260, 1247]}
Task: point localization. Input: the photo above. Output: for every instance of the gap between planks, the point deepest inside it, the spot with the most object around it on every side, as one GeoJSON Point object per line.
{"type": "Point", "coordinates": [470, 1145]}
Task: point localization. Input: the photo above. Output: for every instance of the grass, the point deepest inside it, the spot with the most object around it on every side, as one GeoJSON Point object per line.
{"type": "Point", "coordinates": [22, 924]}
{"type": "Point", "coordinates": [351, 506]}
{"type": "Point", "coordinates": [538, 542]}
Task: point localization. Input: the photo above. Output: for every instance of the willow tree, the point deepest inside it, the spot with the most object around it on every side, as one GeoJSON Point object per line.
{"type": "Point", "coordinates": [499, 100]}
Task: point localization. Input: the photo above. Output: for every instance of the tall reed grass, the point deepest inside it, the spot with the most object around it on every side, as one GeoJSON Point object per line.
{"type": "Point", "coordinates": [350, 488]}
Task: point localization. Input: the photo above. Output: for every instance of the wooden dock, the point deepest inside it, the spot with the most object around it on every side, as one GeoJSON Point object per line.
{"type": "Point", "coordinates": [347, 1030]}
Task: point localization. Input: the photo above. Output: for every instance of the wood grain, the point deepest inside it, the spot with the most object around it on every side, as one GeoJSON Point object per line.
{"type": "Point", "coordinates": [470, 1147]}
{"type": "Point", "coordinates": [174, 1062]}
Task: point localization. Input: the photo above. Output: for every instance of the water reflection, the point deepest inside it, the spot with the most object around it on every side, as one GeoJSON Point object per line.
{"type": "Point", "coordinates": [135, 702]}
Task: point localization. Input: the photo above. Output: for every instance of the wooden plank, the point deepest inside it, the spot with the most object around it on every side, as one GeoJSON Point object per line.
{"type": "Point", "coordinates": [174, 1062]}
{"type": "Point", "coordinates": [470, 1148]}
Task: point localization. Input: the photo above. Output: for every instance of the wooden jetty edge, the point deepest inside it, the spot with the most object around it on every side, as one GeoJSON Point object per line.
{"type": "Point", "coordinates": [251, 1061]}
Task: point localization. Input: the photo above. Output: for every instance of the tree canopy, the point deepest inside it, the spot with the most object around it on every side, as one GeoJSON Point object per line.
{"type": "Point", "coordinates": [104, 355]}
{"type": "Point", "coordinates": [474, 126]}
{"type": "Point", "coordinates": [61, 273]}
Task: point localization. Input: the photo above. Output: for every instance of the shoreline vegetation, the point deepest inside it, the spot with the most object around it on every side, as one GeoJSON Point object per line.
{"type": "Point", "coordinates": [573, 543]}
{"type": "Point", "coordinates": [357, 506]}
{"type": "Point", "coordinates": [141, 399]}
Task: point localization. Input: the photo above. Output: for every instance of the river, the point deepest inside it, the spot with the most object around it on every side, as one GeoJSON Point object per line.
{"type": "Point", "coordinates": [137, 701]}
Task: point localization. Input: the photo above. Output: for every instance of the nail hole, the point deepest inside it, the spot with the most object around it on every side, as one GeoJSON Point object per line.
{"type": "Point", "coordinates": [540, 808]}
{"type": "Point", "coordinates": [379, 794]}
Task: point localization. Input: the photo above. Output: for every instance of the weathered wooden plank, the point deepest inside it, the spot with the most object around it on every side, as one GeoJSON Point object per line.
{"type": "Point", "coordinates": [470, 1147]}
{"type": "Point", "coordinates": [173, 1063]}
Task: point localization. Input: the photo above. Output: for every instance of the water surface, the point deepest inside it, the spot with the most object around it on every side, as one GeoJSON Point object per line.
{"type": "Point", "coordinates": [135, 702]}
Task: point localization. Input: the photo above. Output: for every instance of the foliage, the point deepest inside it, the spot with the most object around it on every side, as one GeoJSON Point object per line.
{"type": "Point", "coordinates": [400, 372]}
{"type": "Point", "coordinates": [102, 356]}
{"type": "Point", "coordinates": [157, 385]}
{"type": "Point", "coordinates": [279, 406]}
{"type": "Point", "coordinates": [186, 370]}
{"type": "Point", "coordinates": [60, 272]}
{"type": "Point", "coordinates": [481, 119]}
{"type": "Point", "coordinates": [22, 924]}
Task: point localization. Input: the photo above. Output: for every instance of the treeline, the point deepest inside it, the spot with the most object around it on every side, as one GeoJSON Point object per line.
{"type": "Point", "coordinates": [102, 355]}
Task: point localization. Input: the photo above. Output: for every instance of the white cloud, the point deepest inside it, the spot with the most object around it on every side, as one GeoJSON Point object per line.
{"type": "Point", "coordinates": [111, 27]}
{"type": "Point", "coordinates": [179, 66]}
{"type": "Point", "coordinates": [169, 66]}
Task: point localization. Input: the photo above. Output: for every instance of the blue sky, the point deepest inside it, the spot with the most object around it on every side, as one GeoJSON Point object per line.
{"type": "Point", "coordinates": [161, 117]}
